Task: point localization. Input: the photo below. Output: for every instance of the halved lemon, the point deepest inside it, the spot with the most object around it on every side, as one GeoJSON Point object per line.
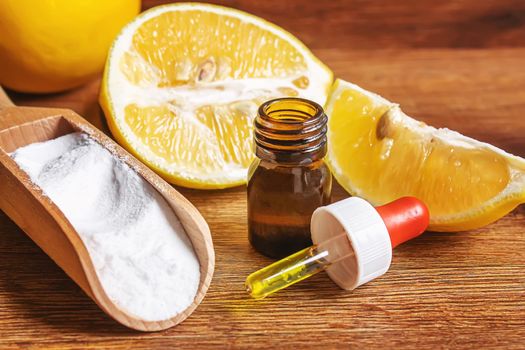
{"type": "Point", "coordinates": [379, 153]}
{"type": "Point", "coordinates": [183, 83]}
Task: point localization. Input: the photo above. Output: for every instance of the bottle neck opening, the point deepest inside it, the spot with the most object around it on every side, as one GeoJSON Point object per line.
{"type": "Point", "coordinates": [290, 130]}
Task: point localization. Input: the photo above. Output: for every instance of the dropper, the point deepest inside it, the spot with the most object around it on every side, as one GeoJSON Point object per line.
{"type": "Point", "coordinates": [353, 242]}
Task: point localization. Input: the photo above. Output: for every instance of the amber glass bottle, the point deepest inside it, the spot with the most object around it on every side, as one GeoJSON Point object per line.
{"type": "Point", "coordinates": [288, 179]}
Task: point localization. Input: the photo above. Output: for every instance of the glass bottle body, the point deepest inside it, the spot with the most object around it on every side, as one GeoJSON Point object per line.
{"type": "Point", "coordinates": [281, 201]}
{"type": "Point", "coordinates": [289, 179]}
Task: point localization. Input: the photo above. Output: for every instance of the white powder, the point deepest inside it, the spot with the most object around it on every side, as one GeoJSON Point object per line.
{"type": "Point", "coordinates": [142, 256]}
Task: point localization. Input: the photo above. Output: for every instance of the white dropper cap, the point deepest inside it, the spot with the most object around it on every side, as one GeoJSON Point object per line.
{"type": "Point", "coordinates": [372, 233]}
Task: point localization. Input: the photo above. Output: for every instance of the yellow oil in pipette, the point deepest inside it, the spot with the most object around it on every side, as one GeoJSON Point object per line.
{"type": "Point", "coordinates": [294, 268]}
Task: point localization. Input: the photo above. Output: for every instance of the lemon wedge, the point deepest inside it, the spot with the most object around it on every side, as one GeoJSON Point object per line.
{"type": "Point", "coordinates": [379, 153]}
{"type": "Point", "coordinates": [183, 82]}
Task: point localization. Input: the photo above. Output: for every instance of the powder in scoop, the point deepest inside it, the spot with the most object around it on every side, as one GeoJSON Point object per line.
{"type": "Point", "coordinates": [142, 256]}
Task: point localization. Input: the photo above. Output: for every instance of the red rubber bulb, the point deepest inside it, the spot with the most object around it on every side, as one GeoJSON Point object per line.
{"type": "Point", "coordinates": [405, 218]}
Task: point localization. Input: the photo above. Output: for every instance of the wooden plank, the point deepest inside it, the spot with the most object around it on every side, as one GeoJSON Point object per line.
{"type": "Point", "coordinates": [379, 24]}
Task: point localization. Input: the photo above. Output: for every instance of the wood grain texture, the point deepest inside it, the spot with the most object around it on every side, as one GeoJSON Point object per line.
{"type": "Point", "coordinates": [364, 24]}
{"type": "Point", "coordinates": [458, 64]}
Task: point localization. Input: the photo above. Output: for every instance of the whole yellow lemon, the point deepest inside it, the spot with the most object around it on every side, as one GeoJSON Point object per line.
{"type": "Point", "coordinates": [54, 45]}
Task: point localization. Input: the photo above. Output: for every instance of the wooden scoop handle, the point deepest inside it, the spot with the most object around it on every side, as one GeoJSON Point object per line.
{"type": "Point", "coordinates": [5, 101]}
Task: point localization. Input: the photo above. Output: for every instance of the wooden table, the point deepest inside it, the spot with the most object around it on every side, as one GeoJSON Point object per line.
{"type": "Point", "coordinates": [456, 64]}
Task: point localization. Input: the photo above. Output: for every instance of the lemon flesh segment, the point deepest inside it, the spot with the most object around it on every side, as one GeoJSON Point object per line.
{"type": "Point", "coordinates": [183, 83]}
{"type": "Point", "coordinates": [379, 153]}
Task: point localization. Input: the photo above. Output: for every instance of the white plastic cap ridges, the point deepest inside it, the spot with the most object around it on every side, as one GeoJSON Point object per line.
{"type": "Point", "coordinates": [368, 237]}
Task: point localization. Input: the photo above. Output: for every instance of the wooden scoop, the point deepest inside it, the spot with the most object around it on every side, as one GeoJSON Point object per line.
{"type": "Point", "coordinates": [47, 226]}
